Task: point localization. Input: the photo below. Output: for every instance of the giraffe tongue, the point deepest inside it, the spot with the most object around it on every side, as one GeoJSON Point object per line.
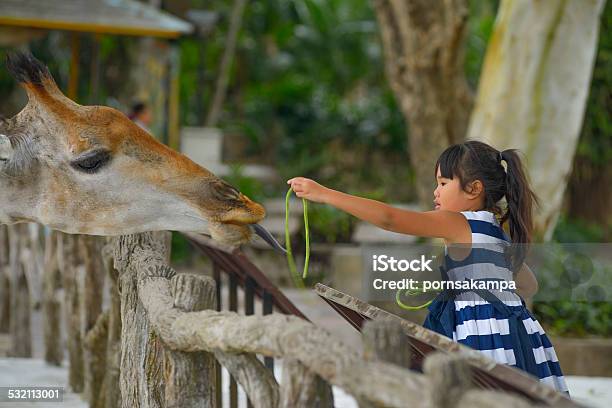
{"type": "Point", "coordinates": [266, 236]}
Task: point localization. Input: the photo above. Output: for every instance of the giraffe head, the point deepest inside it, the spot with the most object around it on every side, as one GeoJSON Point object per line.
{"type": "Point", "coordinates": [90, 170]}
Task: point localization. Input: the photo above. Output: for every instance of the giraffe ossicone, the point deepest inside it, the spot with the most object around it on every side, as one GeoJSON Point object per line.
{"type": "Point", "coordinates": [90, 170]}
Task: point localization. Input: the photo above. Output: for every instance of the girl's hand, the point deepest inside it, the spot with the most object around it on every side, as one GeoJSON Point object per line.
{"type": "Point", "coordinates": [308, 189]}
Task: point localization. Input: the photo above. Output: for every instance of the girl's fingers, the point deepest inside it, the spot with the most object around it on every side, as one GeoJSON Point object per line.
{"type": "Point", "coordinates": [299, 185]}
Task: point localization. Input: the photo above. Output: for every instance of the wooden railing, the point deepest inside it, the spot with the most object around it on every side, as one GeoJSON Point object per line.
{"type": "Point", "coordinates": [160, 341]}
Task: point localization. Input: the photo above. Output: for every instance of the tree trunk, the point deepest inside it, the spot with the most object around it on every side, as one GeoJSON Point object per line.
{"type": "Point", "coordinates": [586, 181]}
{"type": "Point", "coordinates": [51, 302]}
{"type": "Point", "coordinates": [423, 43]}
{"type": "Point", "coordinates": [533, 90]}
{"type": "Point", "coordinates": [226, 63]}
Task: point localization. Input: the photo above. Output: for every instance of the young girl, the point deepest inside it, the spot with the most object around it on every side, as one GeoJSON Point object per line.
{"type": "Point", "coordinates": [471, 181]}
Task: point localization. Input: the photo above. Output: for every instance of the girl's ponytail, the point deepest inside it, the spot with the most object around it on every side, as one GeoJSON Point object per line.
{"type": "Point", "coordinates": [520, 200]}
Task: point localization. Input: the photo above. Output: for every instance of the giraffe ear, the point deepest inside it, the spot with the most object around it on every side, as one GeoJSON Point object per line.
{"type": "Point", "coordinates": [6, 149]}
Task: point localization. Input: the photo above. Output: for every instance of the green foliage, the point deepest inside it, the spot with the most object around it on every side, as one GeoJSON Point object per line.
{"type": "Point", "coordinates": [180, 248]}
{"type": "Point", "coordinates": [565, 318]}
{"type": "Point", "coordinates": [572, 317]}
{"type": "Point", "coordinates": [596, 139]}
{"type": "Point", "coordinates": [569, 231]}
{"type": "Point", "coordinates": [330, 225]}
{"type": "Point", "coordinates": [306, 73]}
{"type": "Point", "coordinates": [480, 26]}
{"type": "Point", "coordinates": [327, 224]}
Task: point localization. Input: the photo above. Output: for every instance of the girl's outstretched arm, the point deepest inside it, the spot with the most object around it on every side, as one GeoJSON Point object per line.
{"type": "Point", "coordinates": [449, 225]}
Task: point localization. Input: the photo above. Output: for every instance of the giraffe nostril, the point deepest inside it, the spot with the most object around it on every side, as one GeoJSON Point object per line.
{"type": "Point", "coordinates": [223, 191]}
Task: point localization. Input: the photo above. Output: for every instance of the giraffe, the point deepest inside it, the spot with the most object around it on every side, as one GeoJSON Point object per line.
{"type": "Point", "coordinates": [90, 170]}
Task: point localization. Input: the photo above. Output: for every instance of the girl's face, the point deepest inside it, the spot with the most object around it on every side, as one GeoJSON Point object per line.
{"type": "Point", "coordinates": [449, 195]}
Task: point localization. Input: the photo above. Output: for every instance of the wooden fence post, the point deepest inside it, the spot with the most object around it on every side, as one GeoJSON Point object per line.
{"type": "Point", "coordinates": [143, 258]}
{"type": "Point", "coordinates": [140, 373]}
{"type": "Point", "coordinates": [21, 337]}
{"type": "Point", "coordinates": [450, 376]}
{"type": "Point", "coordinates": [191, 377]}
{"type": "Point", "coordinates": [384, 340]}
{"type": "Point", "coordinates": [257, 381]}
{"type": "Point", "coordinates": [33, 261]}
{"type": "Point", "coordinates": [51, 302]}
{"type": "Point", "coordinates": [111, 391]}
{"type": "Point", "coordinates": [95, 343]}
{"type": "Point", "coordinates": [300, 387]}
{"type": "Point", "coordinates": [5, 282]}
{"type": "Point", "coordinates": [69, 261]}
{"type": "Point", "coordinates": [94, 324]}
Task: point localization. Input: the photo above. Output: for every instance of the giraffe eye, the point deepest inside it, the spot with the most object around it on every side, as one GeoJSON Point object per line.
{"type": "Point", "coordinates": [92, 162]}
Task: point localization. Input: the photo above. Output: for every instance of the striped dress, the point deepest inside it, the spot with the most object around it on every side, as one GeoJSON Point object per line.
{"type": "Point", "coordinates": [493, 327]}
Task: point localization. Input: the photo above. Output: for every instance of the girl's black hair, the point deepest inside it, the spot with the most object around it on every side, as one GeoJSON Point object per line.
{"type": "Point", "coordinates": [474, 160]}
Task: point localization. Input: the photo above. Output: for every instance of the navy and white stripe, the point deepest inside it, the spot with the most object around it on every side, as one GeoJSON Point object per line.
{"type": "Point", "coordinates": [477, 323]}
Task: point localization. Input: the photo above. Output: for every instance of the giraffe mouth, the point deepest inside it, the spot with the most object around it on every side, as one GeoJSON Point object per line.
{"type": "Point", "coordinates": [270, 240]}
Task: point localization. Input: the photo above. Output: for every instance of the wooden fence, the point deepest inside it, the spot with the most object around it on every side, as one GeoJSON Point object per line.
{"type": "Point", "coordinates": [161, 339]}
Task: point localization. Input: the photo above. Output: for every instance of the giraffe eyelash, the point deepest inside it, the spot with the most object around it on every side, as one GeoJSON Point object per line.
{"type": "Point", "coordinates": [92, 162]}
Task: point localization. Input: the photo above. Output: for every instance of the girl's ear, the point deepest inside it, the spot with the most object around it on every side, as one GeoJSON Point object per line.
{"type": "Point", "coordinates": [474, 189]}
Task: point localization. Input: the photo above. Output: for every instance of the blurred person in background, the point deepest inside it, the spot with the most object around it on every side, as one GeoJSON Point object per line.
{"type": "Point", "coordinates": [141, 115]}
